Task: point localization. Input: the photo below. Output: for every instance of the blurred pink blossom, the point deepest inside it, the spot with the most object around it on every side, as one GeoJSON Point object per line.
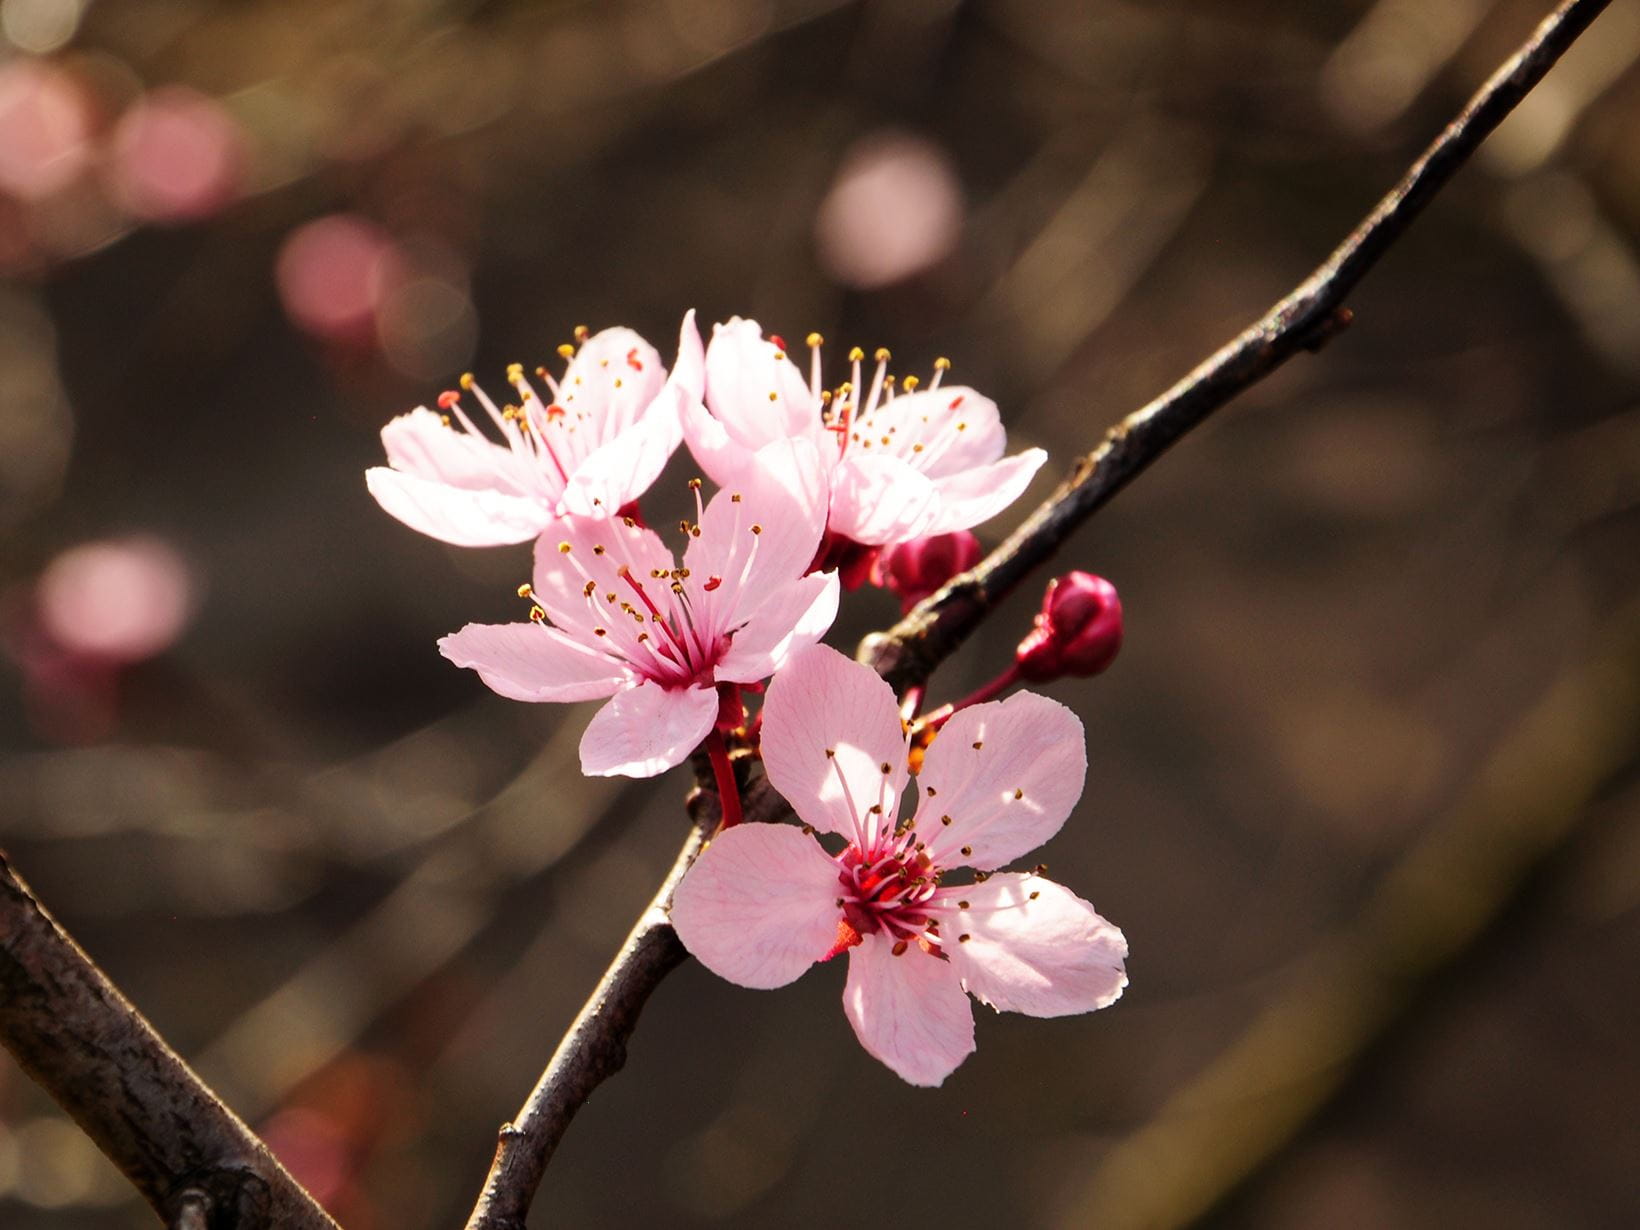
{"type": "Point", "coordinates": [894, 211]}
{"type": "Point", "coordinates": [119, 600]}
{"type": "Point", "coordinates": [45, 128]}
{"type": "Point", "coordinates": [176, 155]}
{"type": "Point", "coordinates": [765, 901]}
{"type": "Point", "coordinates": [333, 274]}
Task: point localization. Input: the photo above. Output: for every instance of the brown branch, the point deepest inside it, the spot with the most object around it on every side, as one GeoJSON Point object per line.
{"type": "Point", "coordinates": [71, 1030]}
{"type": "Point", "coordinates": [1305, 320]}
{"type": "Point", "coordinates": [595, 1047]}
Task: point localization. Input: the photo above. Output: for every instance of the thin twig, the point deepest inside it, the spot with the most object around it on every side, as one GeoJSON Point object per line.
{"type": "Point", "coordinates": [71, 1030]}
{"type": "Point", "coordinates": [595, 1047]}
{"type": "Point", "coordinates": [1305, 320]}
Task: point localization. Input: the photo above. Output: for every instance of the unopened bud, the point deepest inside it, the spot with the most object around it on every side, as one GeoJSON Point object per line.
{"type": "Point", "coordinates": [1077, 632]}
{"type": "Point", "coordinates": [915, 569]}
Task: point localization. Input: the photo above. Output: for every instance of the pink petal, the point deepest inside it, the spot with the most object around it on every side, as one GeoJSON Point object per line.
{"type": "Point", "coordinates": [753, 389]}
{"type": "Point", "coordinates": [1007, 773]}
{"type": "Point", "coordinates": [462, 518]}
{"type": "Point", "coordinates": [625, 466]}
{"type": "Point", "coordinates": [908, 1011]}
{"type": "Point", "coordinates": [1034, 946]}
{"type": "Point", "coordinates": [759, 906]}
{"type": "Point", "coordinates": [646, 730]}
{"type": "Point", "coordinates": [534, 662]}
{"type": "Point", "coordinates": [419, 443]}
{"type": "Point", "coordinates": [878, 499]}
{"type": "Point", "coordinates": [723, 458]}
{"type": "Point", "coordinates": [560, 579]}
{"type": "Point", "coordinates": [973, 497]}
{"type": "Point", "coordinates": [822, 702]}
{"type": "Point", "coordinates": [791, 618]}
{"type": "Point", "coordinates": [612, 379]}
{"type": "Point", "coordinates": [784, 495]}
{"type": "Point", "coordinates": [958, 428]}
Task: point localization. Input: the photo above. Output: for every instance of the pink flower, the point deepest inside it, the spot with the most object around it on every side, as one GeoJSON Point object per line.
{"type": "Point", "coordinates": [629, 623]}
{"type": "Point", "coordinates": [596, 444]}
{"type": "Point", "coordinates": [765, 901]}
{"type": "Point", "coordinates": [920, 462]}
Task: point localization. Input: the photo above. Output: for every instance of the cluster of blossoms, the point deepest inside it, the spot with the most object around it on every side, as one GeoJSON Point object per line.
{"type": "Point", "coordinates": [820, 489]}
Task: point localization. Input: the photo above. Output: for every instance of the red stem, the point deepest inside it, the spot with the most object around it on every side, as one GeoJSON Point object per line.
{"type": "Point", "coordinates": [717, 751]}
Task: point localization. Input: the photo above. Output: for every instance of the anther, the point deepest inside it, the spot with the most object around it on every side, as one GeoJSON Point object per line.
{"type": "Point", "coordinates": [1019, 793]}
{"type": "Point", "coordinates": [734, 497]}
{"type": "Point", "coordinates": [1035, 895]}
{"type": "Point", "coordinates": [774, 396]}
{"type": "Point", "coordinates": [756, 529]}
{"type": "Point", "coordinates": [694, 484]}
{"type": "Point", "coordinates": [942, 364]}
{"type": "Point", "coordinates": [887, 769]}
{"type": "Point", "coordinates": [831, 752]}
{"type": "Point", "coordinates": [448, 399]}
{"type": "Point", "coordinates": [563, 548]}
{"type": "Point", "coordinates": [882, 355]}
{"type": "Point", "coordinates": [910, 383]}
{"type": "Point", "coordinates": [598, 550]}
{"type": "Point", "coordinates": [932, 792]}
{"type": "Point", "coordinates": [962, 905]}
{"type": "Point", "coordinates": [899, 949]}
{"type": "Point", "coordinates": [582, 333]}
{"type": "Point", "coordinates": [978, 743]}
{"type": "Point", "coordinates": [466, 381]}
{"type": "Point", "coordinates": [515, 372]}
{"type": "Point", "coordinates": [945, 820]}
{"type": "Point", "coordinates": [566, 351]}
{"type": "Point", "coordinates": [590, 588]}
{"type": "Point", "coordinates": [524, 590]}
{"type": "Point", "coordinates": [856, 354]}
{"type": "Point", "coordinates": [967, 850]}
{"type": "Point", "coordinates": [814, 340]}
{"type": "Point", "coordinates": [537, 614]}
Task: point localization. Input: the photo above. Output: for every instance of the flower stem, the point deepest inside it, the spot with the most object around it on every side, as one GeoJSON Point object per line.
{"type": "Point", "coordinates": [717, 751]}
{"type": "Point", "coordinates": [939, 717]}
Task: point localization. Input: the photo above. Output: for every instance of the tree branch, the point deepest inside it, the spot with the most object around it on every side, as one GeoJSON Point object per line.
{"type": "Point", "coordinates": [73, 1032]}
{"type": "Point", "coordinates": [1305, 320]}
{"type": "Point", "coordinates": [595, 1047]}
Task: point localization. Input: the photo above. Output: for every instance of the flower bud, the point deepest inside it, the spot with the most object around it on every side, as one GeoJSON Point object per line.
{"type": "Point", "coordinates": [1077, 632]}
{"type": "Point", "coordinates": [915, 569]}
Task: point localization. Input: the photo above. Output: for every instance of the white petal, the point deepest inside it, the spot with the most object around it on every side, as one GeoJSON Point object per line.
{"type": "Point", "coordinates": [534, 662]}
{"type": "Point", "coordinates": [829, 727]}
{"type": "Point", "coordinates": [759, 906]}
{"type": "Point", "coordinates": [623, 468]}
{"type": "Point", "coordinates": [958, 429]}
{"type": "Point", "coordinates": [460, 517]}
{"type": "Point", "coordinates": [973, 497]}
{"type": "Point", "coordinates": [793, 617]}
{"type": "Point", "coordinates": [878, 499]}
{"type": "Point", "coordinates": [908, 1011]}
{"type": "Point", "coordinates": [723, 458]}
{"type": "Point", "coordinates": [1007, 773]}
{"type": "Point", "coordinates": [646, 730]}
{"type": "Point", "coordinates": [1034, 946]}
{"type": "Point", "coordinates": [419, 443]}
{"type": "Point", "coordinates": [753, 389]}
{"type": "Point", "coordinates": [612, 379]}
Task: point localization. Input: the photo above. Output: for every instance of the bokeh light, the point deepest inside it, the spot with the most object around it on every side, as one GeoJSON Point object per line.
{"type": "Point", "coordinates": [894, 210]}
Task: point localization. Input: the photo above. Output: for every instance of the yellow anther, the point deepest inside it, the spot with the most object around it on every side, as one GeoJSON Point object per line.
{"type": "Point", "coordinates": [590, 588]}
{"type": "Point", "coordinates": [515, 372]}
{"type": "Point", "coordinates": [524, 590]}
{"type": "Point", "coordinates": [910, 383]}
{"type": "Point", "coordinates": [466, 380]}
{"type": "Point", "coordinates": [694, 484]}
{"type": "Point", "coordinates": [445, 419]}
{"type": "Point", "coordinates": [814, 340]}
{"type": "Point", "coordinates": [778, 355]}
{"type": "Point", "coordinates": [882, 355]}
{"type": "Point", "coordinates": [566, 351]}
{"type": "Point", "coordinates": [855, 355]}
{"type": "Point", "coordinates": [942, 364]}
{"type": "Point", "coordinates": [582, 333]}
{"type": "Point", "coordinates": [563, 548]}
{"type": "Point", "coordinates": [537, 614]}
{"type": "Point", "coordinates": [774, 396]}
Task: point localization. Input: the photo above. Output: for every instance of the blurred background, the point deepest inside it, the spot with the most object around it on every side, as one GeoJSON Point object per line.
{"type": "Point", "coordinates": [1362, 788]}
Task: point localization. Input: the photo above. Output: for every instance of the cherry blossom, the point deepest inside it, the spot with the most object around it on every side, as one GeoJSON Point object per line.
{"type": "Point", "coordinates": [902, 464]}
{"type": "Point", "coordinates": [765, 901]}
{"type": "Point", "coordinates": [629, 623]}
{"type": "Point", "coordinates": [595, 443]}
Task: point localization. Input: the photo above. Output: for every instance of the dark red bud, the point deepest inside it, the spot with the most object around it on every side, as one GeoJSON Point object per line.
{"type": "Point", "coordinates": [1077, 632]}
{"type": "Point", "coordinates": [915, 569]}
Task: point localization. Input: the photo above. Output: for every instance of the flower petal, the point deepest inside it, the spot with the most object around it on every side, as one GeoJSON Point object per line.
{"type": "Point", "coordinates": [612, 379]}
{"type": "Point", "coordinates": [829, 727]}
{"type": "Point", "coordinates": [791, 618]}
{"type": "Point", "coordinates": [1007, 774]}
{"type": "Point", "coordinates": [1034, 946]}
{"type": "Point", "coordinates": [624, 467]}
{"type": "Point", "coordinates": [646, 730]}
{"type": "Point", "coordinates": [720, 455]}
{"type": "Point", "coordinates": [784, 495]}
{"type": "Point", "coordinates": [460, 517]}
{"type": "Point", "coordinates": [561, 577]}
{"type": "Point", "coordinates": [534, 662]}
{"type": "Point", "coordinates": [878, 499]}
{"type": "Point", "coordinates": [753, 389]}
{"type": "Point", "coordinates": [908, 1011]}
{"type": "Point", "coordinates": [973, 497]}
{"type": "Point", "coordinates": [759, 906]}
{"type": "Point", "coordinates": [420, 443]}
{"type": "Point", "coordinates": [958, 429]}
